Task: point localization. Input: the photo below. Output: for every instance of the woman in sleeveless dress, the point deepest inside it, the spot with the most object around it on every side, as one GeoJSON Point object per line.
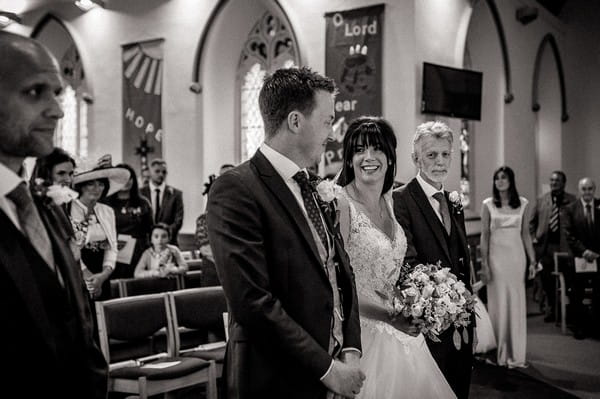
{"type": "Point", "coordinates": [396, 361]}
{"type": "Point", "coordinates": [505, 247]}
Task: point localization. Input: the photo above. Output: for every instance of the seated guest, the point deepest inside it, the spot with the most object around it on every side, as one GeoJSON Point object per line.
{"type": "Point", "coordinates": [161, 259]}
{"type": "Point", "coordinates": [94, 226]}
{"type": "Point", "coordinates": [134, 221]}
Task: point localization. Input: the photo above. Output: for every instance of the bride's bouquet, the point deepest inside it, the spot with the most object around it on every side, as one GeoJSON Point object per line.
{"type": "Point", "coordinates": [434, 300]}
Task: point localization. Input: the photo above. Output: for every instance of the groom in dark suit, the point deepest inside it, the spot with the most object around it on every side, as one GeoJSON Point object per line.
{"type": "Point", "coordinates": [435, 230]}
{"type": "Point", "coordinates": [294, 330]}
{"type": "Point", "coordinates": [46, 338]}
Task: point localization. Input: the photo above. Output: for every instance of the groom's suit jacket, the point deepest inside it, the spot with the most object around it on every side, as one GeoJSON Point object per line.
{"type": "Point", "coordinates": [46, 339]}
{"type": "Point", "coordinates": [279, 297]}
{"type": "Point", "coordinates": [428, 242]}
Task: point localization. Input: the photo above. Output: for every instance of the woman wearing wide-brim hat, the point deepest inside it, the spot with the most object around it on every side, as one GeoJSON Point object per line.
{"type": "Point", "coordinates": [94, 225]}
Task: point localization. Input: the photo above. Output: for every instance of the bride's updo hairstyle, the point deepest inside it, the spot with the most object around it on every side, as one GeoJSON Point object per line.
{"type": "Point", "coordinates": [369, 131]}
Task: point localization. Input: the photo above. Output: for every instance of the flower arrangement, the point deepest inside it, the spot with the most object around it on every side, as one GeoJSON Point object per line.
{"type": "Point", "coordinates": [434, 300]}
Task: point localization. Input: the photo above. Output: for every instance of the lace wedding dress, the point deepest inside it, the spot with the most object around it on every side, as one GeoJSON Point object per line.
{"type": "Point", "coordinates": [396, 364]}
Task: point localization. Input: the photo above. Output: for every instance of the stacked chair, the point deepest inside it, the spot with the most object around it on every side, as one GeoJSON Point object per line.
{"type": "Point", "coordinates": [198, 319]}
{"type": "Point", "coordinates": [137, 338]}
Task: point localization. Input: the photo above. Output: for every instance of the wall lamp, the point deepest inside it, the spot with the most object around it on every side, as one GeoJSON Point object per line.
{"type": "Point", "coordinates": [86, 5]}
{"type": "Point", "coordinates": [7, 18]}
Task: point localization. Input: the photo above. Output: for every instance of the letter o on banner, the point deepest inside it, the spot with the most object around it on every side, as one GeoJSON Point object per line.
{"type": "Point", "coordinates": [337, 19]}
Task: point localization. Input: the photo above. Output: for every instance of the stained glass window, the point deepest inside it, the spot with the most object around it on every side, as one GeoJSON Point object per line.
{"type": "Point", "coordinates": [71, 133]}
{"type": "Point", "coordinates": [270, 45]}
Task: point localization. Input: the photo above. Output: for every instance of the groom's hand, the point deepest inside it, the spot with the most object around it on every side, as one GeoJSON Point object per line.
{"type": "Point", "coordinates": [344, 379]}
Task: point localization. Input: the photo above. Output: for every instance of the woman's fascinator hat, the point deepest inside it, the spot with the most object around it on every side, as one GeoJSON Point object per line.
{"type": "Point", "coordinates": [88, 170]}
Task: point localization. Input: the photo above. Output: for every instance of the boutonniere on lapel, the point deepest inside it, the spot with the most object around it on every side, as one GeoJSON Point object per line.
{"type": "Point", "coordinates": [456, 200]}
{"type": "Point", "coordinates": [53, 194]}
{"type": "Point", "coordinates": [327, 193]}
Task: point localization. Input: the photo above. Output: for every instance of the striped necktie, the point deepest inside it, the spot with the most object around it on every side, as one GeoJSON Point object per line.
{"type": "Point", "coordinates": [554, 216]}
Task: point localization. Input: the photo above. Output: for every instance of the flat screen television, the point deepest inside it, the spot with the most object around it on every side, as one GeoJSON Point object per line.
{"type": "Point", "coordinates": [451, 92]}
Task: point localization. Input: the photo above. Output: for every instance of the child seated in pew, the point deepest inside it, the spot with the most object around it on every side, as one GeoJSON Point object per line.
{"type": "Point", "coordinates": [161, 259]}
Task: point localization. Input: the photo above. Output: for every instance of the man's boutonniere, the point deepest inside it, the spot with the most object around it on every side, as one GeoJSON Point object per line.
{"type": "Point", "coordinates": [327, 193]}
{"type": "Point", "coordinates": [456, 201]}
{"type": "Point", "coordinates": [54, 193]}
{"type": "Point", "coordinates": [328, 190]}
{"type": "Point", "coordinates": [61, 194]}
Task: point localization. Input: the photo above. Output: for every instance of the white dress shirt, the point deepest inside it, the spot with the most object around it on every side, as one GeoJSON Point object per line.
{"type": "Point", "coordinates": [430, 191]}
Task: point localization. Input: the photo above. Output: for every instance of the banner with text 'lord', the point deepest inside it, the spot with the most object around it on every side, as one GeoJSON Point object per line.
{"type": "Point", "coordinates": [142, 106]}
{"type": "Point", "coordinates": [353, 57]}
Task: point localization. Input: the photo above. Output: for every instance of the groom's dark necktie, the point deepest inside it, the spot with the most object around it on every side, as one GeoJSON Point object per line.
{"type": "Point", "coordinates": [312, 209]}
{"type": "Point", "coordinates": [444, 211]}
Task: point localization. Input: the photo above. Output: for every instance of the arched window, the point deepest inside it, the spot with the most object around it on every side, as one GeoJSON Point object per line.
{"type": "Point", "coordinates": [72, 131]}
{"type": "Point", "coordinates": [270, 45]}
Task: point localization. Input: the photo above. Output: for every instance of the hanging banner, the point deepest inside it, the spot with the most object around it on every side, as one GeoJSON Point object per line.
{"type": "Point", "coordinates": [142, 105]}
{"type": "Point", "coordinates": [353, 57]}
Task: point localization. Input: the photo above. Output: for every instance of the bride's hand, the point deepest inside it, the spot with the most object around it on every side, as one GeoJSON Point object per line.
{"type": "Point", "coordinates": [403, 324]}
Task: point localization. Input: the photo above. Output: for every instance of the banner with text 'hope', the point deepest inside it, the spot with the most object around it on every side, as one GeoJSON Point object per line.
{"type": "Point", "coordinates": [142, 106]}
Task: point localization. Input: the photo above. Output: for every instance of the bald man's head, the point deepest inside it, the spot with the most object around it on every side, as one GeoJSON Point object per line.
{"type": "Point", "coordinates": [587, 189]}
{"type": "Point", "coordinates": [17, 49]}
{"type": "Point", "coordinates": [30, 84]}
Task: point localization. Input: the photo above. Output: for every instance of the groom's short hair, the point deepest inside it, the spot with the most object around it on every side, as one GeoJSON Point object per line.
{"type": "Point", "coordinates": [435, 129]}
{"type": "Point", "coordinates": [289, 89]}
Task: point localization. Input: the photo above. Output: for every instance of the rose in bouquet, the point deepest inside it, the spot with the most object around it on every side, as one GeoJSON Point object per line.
{"type": "Point", "coordinates": [433, 299]}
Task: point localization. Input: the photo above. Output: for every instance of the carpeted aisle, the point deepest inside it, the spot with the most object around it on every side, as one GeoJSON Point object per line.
{"type": "Point", "coordinates": [491, 382]}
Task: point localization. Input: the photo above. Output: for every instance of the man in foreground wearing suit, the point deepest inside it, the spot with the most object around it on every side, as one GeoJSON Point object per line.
{"type": "Point", "coordinates": [46, 339]}
{"type": "Point", "coordinates": [581, 222]}
{"type": "Point", "coordinates": [294, 330]}
{"type": "Point", "coordinates": [547, 236]}
{"type": "Point", "coordinates": [435, 232]}
{"type": "Point", "coordinates": [167, 201]}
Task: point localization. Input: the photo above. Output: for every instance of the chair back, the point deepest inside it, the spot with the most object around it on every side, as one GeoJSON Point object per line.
{"type": "Point", "coordinates": [194, 264]}
{"type": "Point", "coordinates": [209, 276]}
{"type": "Point", "coordinates": [133, 327]}
{"type": "Point", "coordinates": [192, 279]}
{"type": "Point", "coordinates": [197, 316]}
{"type": "Point", "coordinates": [149, 285]}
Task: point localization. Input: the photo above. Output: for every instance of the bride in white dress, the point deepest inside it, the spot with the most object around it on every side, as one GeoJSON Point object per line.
{"type": "Point", "coordinates": [396, 363]}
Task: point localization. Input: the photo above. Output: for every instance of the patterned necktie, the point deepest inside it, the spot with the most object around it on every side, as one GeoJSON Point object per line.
{"type": "Point", "coordinates": [588, 217]}
{"type": "Point", "coordinates": [439, 196]}
{"type": "Point", "coordinates": [157, 209]}
{"type": "Point", "coordinates": [31, 224]}
{"type": "Point", "coordinates": [312, 209]}
{"type": "Point", "coordinates": [554, 216]}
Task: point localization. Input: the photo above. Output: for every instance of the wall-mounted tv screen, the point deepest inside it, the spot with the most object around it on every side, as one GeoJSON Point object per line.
{"type": "Point", "coordinates": [451, 92]}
